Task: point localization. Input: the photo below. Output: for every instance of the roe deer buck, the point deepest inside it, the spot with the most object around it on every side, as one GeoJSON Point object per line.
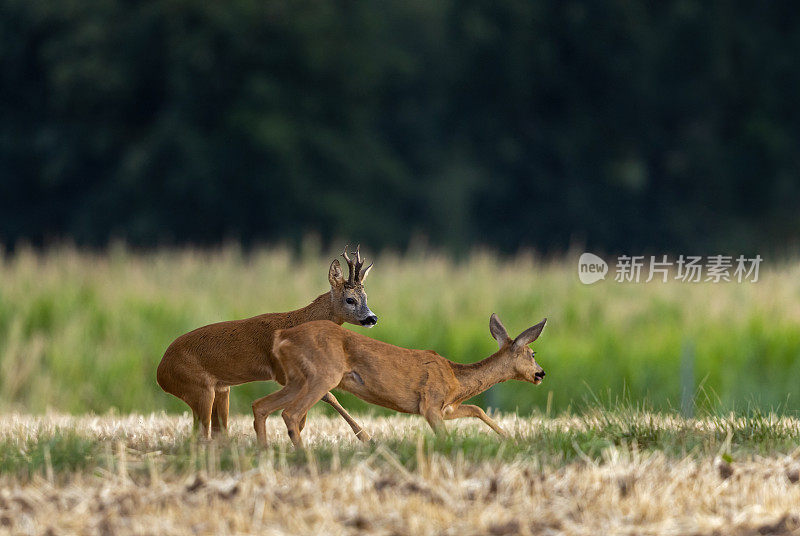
{"type": "Point", "coordinates": [318, 356]}
{"type": "Point", "coordinates": [199, 367]}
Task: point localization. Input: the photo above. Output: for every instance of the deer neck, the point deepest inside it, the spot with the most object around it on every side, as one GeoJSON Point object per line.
{"type": "Point", "coordinates": [475, 378]}
{"type": "Point", "coordinates": [319, 309]}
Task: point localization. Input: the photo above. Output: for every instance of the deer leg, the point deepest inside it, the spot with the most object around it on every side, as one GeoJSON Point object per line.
{"type": "Point", "coordinates": [360, 432]}
{"type": "Point", "coordinates": [214, 419]}
{"type": "Point", "coordinates": [219, 413]}
{"type": "Point", "coordinates": [296, 411]}
{"type": "Point", "coordinates": [201, 400]}
{"type": "Point", "coordinates": [435, 419]}
{"type": "Point", "coordinates": [273, 402]}
{"type": "Point", "coordinates": [469, 410]}
{"type": "Point", "coordinates": [293, 429]}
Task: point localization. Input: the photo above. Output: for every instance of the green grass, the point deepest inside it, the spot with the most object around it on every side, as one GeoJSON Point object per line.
{"type": "Point", "coordinates": [84, 332]}
{"type": "Point", "coordinates": [551, 443]}
{"type": "Point", "coordinates": [65, 452]}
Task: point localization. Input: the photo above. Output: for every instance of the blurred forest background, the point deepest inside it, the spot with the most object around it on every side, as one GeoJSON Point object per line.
{"type": "Point", "coordinates": [619, 125]}
{"type": "Point", "coordinates": [166, 164]}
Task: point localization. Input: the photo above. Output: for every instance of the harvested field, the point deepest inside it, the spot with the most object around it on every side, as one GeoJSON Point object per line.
{"type": "Point", "coordinates": [624, 472]}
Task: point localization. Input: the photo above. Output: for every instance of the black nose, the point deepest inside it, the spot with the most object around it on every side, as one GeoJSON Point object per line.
{"type": "Point", "coordinates": [370, 321]}
{"type": "Point", "coordinates": [539, 375]}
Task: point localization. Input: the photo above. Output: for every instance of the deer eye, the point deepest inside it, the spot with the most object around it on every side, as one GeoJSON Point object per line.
{"type": "Point", "coordinates": [350, 301]}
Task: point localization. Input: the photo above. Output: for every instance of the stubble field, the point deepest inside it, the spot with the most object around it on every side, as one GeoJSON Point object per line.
{"type": "Point", "coordinates": [621, 472]}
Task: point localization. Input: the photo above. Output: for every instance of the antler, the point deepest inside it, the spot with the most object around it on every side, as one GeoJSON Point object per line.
{"type": "Point", "coordinates": [350, 265]}
{"type": "Point", "coordinates": [359, 262]}
{"type": "Point", "coordinates": [356, 276]}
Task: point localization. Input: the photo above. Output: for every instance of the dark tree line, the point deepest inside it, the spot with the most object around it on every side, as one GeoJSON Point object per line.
{"type": "Point", "coordinates": [619, 125]}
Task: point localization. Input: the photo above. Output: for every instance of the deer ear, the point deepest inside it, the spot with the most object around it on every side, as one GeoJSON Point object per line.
{"type": "Point", "coordinates": [498, 330]}
{"type": "Point", "coordinates": [529, 335]}
{"type": "Point", "coordinates": [335, 275]}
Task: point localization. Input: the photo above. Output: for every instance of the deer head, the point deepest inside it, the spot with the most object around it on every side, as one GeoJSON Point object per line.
{"type": "Point", "coordinates": [347, 295]}
{"type": "Point", "coordinates": [517, 351]}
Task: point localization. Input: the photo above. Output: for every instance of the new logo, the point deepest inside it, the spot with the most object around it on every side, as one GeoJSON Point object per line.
{"type": "Point", "coordinates": [591, 268]}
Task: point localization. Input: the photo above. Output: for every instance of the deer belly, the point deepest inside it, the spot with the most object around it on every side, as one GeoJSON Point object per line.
{"type": "Point", "coordinates": [244, 373]}
{"type": "Point", "coordinates": [352, 382]}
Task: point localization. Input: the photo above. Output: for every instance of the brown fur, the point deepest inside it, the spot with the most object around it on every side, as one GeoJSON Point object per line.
{"type": "Point", "coordinates": [320, 356]}
{"type": "Point", "coordinates": [199, 367]}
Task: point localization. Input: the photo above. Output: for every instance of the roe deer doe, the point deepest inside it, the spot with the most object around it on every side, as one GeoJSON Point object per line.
{"type": "Point", "coordinates": [199, 367]}
{"type": "Point", "coordinates": [319, 356]}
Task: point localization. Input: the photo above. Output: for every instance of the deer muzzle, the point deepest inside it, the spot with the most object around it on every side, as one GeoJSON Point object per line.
{"type": "Point", "coordinates": [369, 321]}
